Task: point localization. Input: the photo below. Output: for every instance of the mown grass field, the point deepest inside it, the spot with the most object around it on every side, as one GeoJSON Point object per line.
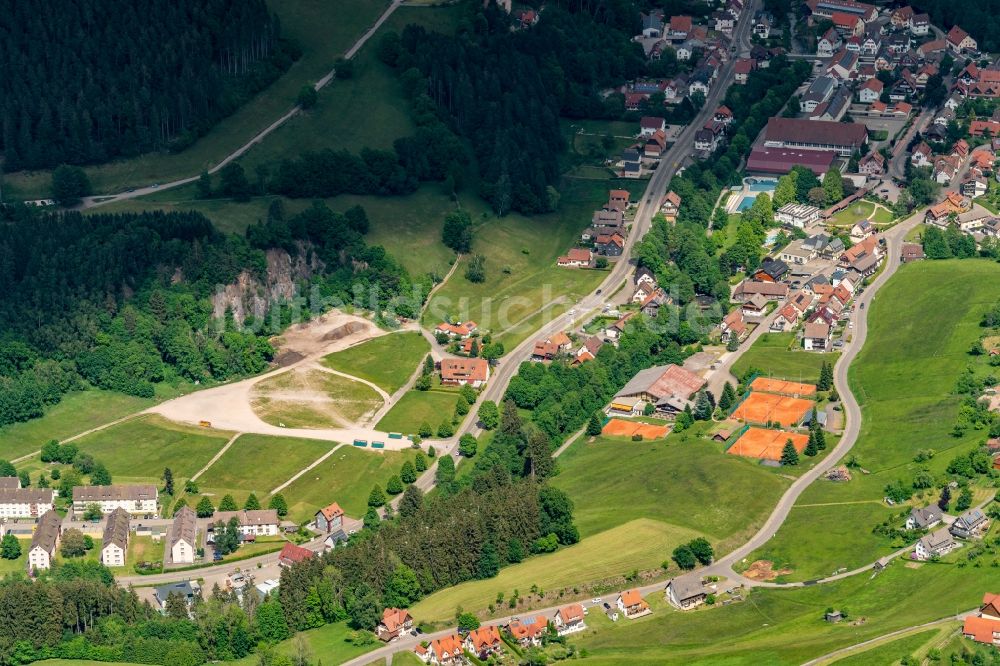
{"type": "Point", "coordinates": [258, 464]}
{"type": "Point", "coordinates": [312, 398]}
{"type": "Point", "coordinates": [76, 413]}
{"type": "Point", "coordinates": [862, 210]}
{"type": "Point", "coordinates": [771, 354]}
{"type": "Point", "coordinates": [635, 544]}
{"type": "Point", "coordinates": [684, 480]}
{"type": "Point", "coordinates": [892, 652]}
{"type": "Point", "coordinates": [346, 477]}
{"type": "Point", "coordinates": [921, 326]}
{"type": "Point", "coordinates": [417, 407]}
{"type": "Point", "coordinates": [17, 565]}
{"type": "Point", "coordinates": [521, 272]}
{"type": "Point", "coordinates": [321, 33]}
{"type": "Point", "coordinates": [787, 626]}
{"type": "Point", "coordinates": [139, 449]}
{"type": "Point", "coordinates": [387, 361]}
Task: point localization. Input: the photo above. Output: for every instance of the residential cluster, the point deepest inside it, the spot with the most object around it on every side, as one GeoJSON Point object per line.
{"type": "Point", "coordinates": [605, 238]}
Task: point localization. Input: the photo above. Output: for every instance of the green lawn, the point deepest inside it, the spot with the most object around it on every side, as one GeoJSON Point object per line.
{"type": "Point", "coordinates": [141, 549]}
{"type": "Point", "coordinates": [387, 361]}
{"type": "Point", "coordinates": [346, 477]}
{"type": "Point", "coordinates": [893, 651]}
{"type": "Point", "coordinates": [771, 353]}
{"type": "Point", "coordinates": [417, 407]}
{"type": "Point", "coordinates": [138, 450]}
{"type": "Point", "coordinates": [921, 325]}
{"type": "Point", "coordinates": [18, 565]}
{"type": "Point", "coordinates": [258, 464]}
{"type": "Point", "coordinates": [862, 210]}
{"type": "Point", "coordinates": [521, 271]}
{"type": "Point", "coordinates": [367, 110]}
{"type": "Point", "coordinates": [787, 626]}
{"type": "Point", "coordinates": [685, 480]}
{"type": "Point", "coordinates": [77, 412]}
{"type": "Point", "coordinates": [322, 33]}
{"type": "Point", "coordinates": [636, 544]}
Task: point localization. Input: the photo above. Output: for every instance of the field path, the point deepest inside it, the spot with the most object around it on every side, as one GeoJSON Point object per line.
{"type": "Point", "coordinates": [99, 200]}
{"type": "Point", "coordinates": [885, 638]}
{"type": "Point", "coordinates": [378, 389]}
{"type": "Point", "coordinates": [306, 469]}
{"type": "Point", "coordinates": [216, 456]}
{"type": "Point", "coordinates": [77, 436]}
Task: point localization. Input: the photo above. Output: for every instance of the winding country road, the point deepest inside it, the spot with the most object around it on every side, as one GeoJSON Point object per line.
{"type": "Point", "coordinates": [723, 567]}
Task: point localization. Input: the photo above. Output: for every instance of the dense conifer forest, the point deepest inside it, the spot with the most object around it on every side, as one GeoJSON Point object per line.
{"type": "Point", "coordinates": [980, 18]}
{"type": "Point", "coordinates": [85, 81]}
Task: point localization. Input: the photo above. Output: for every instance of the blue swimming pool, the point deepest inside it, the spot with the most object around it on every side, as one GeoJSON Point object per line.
{"type": "Point", "coordinates": [745, 203]}
{"type": "Point", "coordinates": [761, 185]}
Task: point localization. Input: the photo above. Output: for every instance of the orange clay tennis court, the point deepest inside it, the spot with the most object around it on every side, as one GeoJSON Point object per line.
{"type": "Point", "coordinates": [622, 428]}
{"type": "Point", "coordinates": [766, 444]}
{"type": "Point", "coordinates": [768, 385]}
{"type": "Point", "coordinates": [772, 408]}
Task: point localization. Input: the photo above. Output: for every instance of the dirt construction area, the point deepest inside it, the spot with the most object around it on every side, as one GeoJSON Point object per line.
{"type": "Point", "coordinates": [766, 444]}
{"type": "Point", "coordinates": [764, 570]}
{"type": "Point", "coordinates": [623, 428]}
{"type": "Point", "coordinates": [782, 387]}
{"type": "Point", "coordinates": [772, 408]}
{"type": "Point", "coordinates": [311, 401]}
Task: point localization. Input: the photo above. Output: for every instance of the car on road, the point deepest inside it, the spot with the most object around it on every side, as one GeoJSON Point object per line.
{"type": "Point", "coordinates": [155, 185]}
{"type": "Point", "coordinates": [599, 290]}
{"type": "Point", "coordinates": [596, 600]}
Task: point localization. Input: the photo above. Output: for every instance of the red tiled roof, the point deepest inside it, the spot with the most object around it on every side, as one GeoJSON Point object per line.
{"type": "Point", "coordinates": [981, 629]}
{"type": "Point", "coordinates": [484, 637]}
{"type": "Point", "coordinates": [469, 369]}
{"type": "Point", "coordinates": [292, 553]}
{"type": "Point", "coordinates": [571, 613]}
{"type": "Point", "coordinates": [332, 511]}
{"type": "Point", "coordinates": [394, 618]}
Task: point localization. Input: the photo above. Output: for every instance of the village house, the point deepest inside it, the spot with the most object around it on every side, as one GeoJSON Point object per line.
{"type": "Point", "coordinates": [920, 25]}
{"type": "Point", "coordinates": [733, 326]}
{"type": "Point", "coordinates": [828, 43]}
{"type": "Point", "coordinates": [650, 305]}
{"type": "Point", "coordinates": [631, 164]}
{"type": "Point", "coordinates": [924, 518]}
{"type": "Point", "coordinates": [528, 631]}
{"type": "Point", "coordinates": [755, 307]}
{"type": "Point", "coordinates": [181, 543]}
{"type": "Point", "coordinates": [771, 270]}
{"type": "Point", "coordinates": [649, 125]}
{"type": "Point", "coordinates": [669, 388]}
{"type": "Point", "coordinates": [291, 554]}
{"type": "Point", "coordinates": [795, 254]}
{"type": "Point", "coordinates": [959, 40]}
{"type": "Point", "coordinates": [687, 591]}
{"type": "Point", "coordinates": [861, 230]}
{"type": "Point", "coordinates": [870, 91]}
{"type": "Point", "coordinates": [17, 502]}
{"type": "Point", "coordinates": [577, 257]}
{"type": "Point", "coordinates": [474, 372]}
{"type": "Point", "coordinates": [588, 351]}
{"type": "Point", "coordinates": [940, 214]}
{"type": "Point", "coordinates": [671, 206]}
{"type": "Point", "coordinates": [773, 291]}
{"type": "Point", "coordinates": [42, 552]}
{"type": "Point", "coordinates": [911, 252]}
{"type": "Point", "coordinates": [115, 541]}
{"type": "Point", "coordinates": [461, 330]}
{"type": "Point", "coordinates": [652, 24]}
{"type": "Point", "coordinates": [655, 144]}
{"type": "Point", "coordinates": [548, 348]}
{"type": "Point", "coordinates": [330, 518]}
{"type": "Point", "coordinates": [395, 622]}
{"type": "Point", "coordinates": [970, 525]}
{"type": "Point", "coordinates": [134, 499]}
{"type": "Point", "coordinates": [252, 522]}
{"type": "Point", "coordinates": [447, 651]}
{"type": "Point", "coordinates": [614, 331]}
{"type": "Point", "coordinates": [334, 539]}
{"type": "Point", "coordinates": [872, 164]}
{"type": "Point", "coordinates": [609, 245]}
{"type": "Point", "coordinates": [484, 642]}
{"type": "Point", "coordinates": [569, 619]}
{"type": "Point", "coordinates": [937, 543]}
{"type": "Point", "coordinates": [984, 625]}
{"type": "Point", "coordinates": [188, 591]}
{"type": "Point", "coordinates": [847, 24]}
{"type": "Point", "coordinates": [816, 337]}
{"type": "Point", "coordinates": [921, 155]}
{"type": "Point", "coordinates": [818, 92]}
{"type": "Point", "coordinates": [631, 604]}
